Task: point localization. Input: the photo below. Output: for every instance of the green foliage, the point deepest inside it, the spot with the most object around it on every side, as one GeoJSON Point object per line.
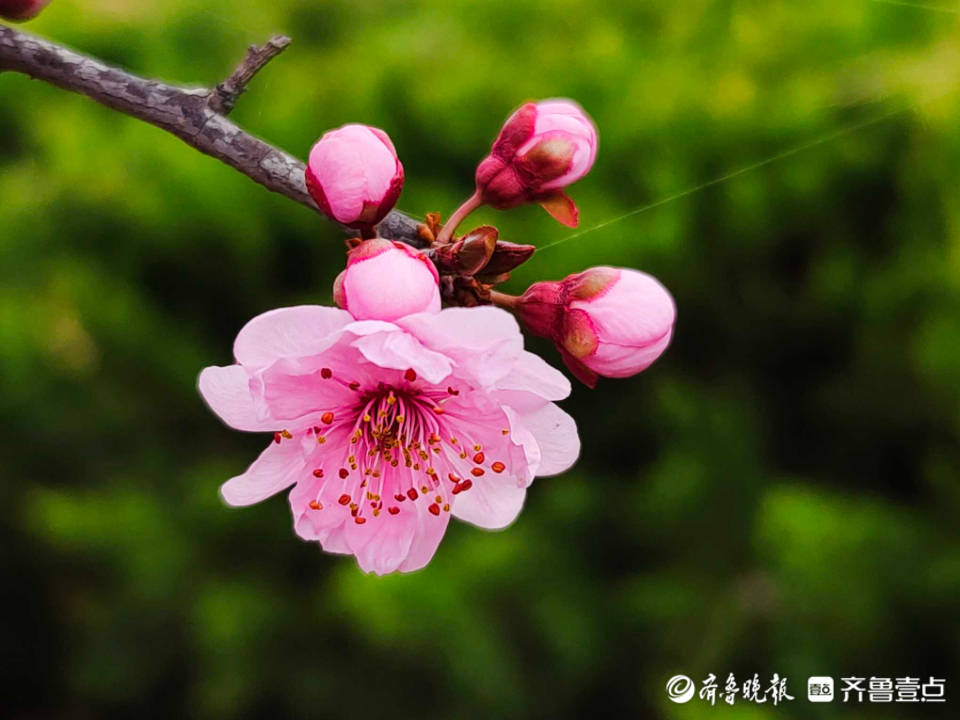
{"type": "Point", "coordinates": [777, 494]}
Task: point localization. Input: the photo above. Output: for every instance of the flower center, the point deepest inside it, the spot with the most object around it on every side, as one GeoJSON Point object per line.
{"type": "Point", "coordinates": [395, 444]}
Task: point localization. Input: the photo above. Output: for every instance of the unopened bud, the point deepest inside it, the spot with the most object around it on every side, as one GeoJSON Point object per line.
{"type": "Point", "coordinates": [541, 149]}
{"type": "Point", "coordinates": [605, 321]}
{"type": "Point", "coordinates": [354, 175]}
{"type": "Point", "coordinates": [386, 280]}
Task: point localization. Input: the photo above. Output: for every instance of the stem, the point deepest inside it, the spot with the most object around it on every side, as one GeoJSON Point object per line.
{"type": "Point", "coordinates": [469, 205]}
{"type": "Point", "coordinates": [504, 300]}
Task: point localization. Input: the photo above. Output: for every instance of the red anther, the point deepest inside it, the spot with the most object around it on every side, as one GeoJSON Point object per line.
{"type": "Point", "coordinates": [457, 489]}
{"type": "Point", "coordinates": [478, 458]}
{"type": "Point", "coordinates": [451, 391]}
{"type": "Point", "coordinates": [317, 430]}
{"type": "Point", "coordinates": [437, 410]}
{"type": "Point", "coordinates": [344, 499]}
{"type": "Point", "coordinates": [326, 373]}
{"type": "Point", "coordinates": [359, 520]}
{"type": "Point", "coordinates": [466, 485]}
{"type": "Point", "coordinates": [326, 418]}
{"type": "Point", "coordinates": [314, 505]}
{"type": "Point", "coordinates": [355, 510]}
{"type": "Point", "coordinates": [354, 385]}
{"type": "Point", "coordinates": [410, 375]}
{"type": "Point", "coordinates": [453, 478]}
{"type": "Point", "coordinates": [318, 473]}
{"type": "Point", "coordinates": [498, 467]}
{"type": "Point", "coordinates": [434, 509]}
{"type": "Point", "coordinates": [277, 437]}
{"type": "Point", "coordinates": [412, 494]}
{"type": "Point", "coordinates": [393, 509]}
{"type": "Point", "coordinates": [343, 473]}
{"type": "Point", "coordinates": [476, 472]}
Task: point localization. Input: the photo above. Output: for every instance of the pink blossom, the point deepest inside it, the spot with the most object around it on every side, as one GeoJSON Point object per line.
{"type": "Point", "coordinates": [21, 9]}
{"type": "Point", "coordinates": [605, 321]}
{"type": "Point", "coordinates": [541, 149]}
{"type": "Point", "coordinates": [354, 175]}
{"type": "Point", "coordinates": [386, 429]}
{"type": "Point", "coordinates": [386, 280]}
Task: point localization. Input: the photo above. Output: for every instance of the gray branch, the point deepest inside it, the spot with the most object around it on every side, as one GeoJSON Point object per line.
{"type": "Point", "coordinates": [189, 113]}
{"type": "Point", "coordinates": [224, 96]}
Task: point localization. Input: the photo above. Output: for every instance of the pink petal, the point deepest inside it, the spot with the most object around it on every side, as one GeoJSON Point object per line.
{"type": "Point", "coordinates": [556, 435]}
{"type": "Point", "coordinates": [533, 374]}
{"type": "Point", "coordinates": [334, 540]}
{"type": "Point", "coordinates": [310, 523]}
{"type": "Point", "coordinates": [277, 467]}
{"type": "Point", "coordinates": [426, 539]}
{"type": "Point", "coordinates": [491, 504]}
{"type": "Point", "coordinates": [227, 391]}
{"type": "Point", "coordinates": [293, 394]}
{"type": "Point", "coordinates": [288, 332]}
{"type": "Point", "coordinates": [523, 438]}
{"type": "Point", "coordinates": [382, 543]}
{"type": "Point", "coordinates": [400, 351]}
{"type": "Point", "coordinates": [485, 341]}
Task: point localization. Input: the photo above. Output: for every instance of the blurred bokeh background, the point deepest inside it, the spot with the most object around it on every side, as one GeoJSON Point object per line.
{"type": "Point", "coordinates": [779, 493]}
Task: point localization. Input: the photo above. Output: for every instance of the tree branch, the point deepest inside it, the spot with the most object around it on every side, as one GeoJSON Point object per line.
{"type": "Point", "coordinates": [224, 96]}
{"type": "Point", "coordinates": [195, 115]}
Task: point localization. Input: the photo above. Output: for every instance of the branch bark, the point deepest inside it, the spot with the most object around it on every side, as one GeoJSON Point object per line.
{"type": "Point", "coordinates": [195, 115]}
{"type": "Point", "coordinates": [224, 96]}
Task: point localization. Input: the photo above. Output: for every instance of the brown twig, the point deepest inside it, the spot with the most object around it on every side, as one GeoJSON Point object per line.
{"type": "Point", "coordinates": [191, 114]}
{"type": "Point", "coordinates": [224, 96]}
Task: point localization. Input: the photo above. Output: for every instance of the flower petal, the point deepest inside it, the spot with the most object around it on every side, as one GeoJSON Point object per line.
{"type": "Point", "coordinates": [382, 543]}
{"type": "Point", "coordinates": [556, 435]}
{"type": "Point", "coordinates": [400, 351]}
{"type": "Point", "coordinates": [492, 504]}
{"type": "Point", "coordinates": [288, 332]}
{"type": "Point", "coordinates": [484, 341]}
{"type": "Point", "coordinates": [531, 373]}
{"type": "Point", "coordinates": [426, 540]}
{"type": "Point", "coordinates": [334, 541]}
{"type": "Point", "coordinates": [227, 391]}
{"type": "Point", "coordinates": [278, 467]}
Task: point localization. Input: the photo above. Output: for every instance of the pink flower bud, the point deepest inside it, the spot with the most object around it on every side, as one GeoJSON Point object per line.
{"type": "Point", "coordinates": [386, 280]}
{"type": "Point", "coordinates": [605, 321]}
{"type": "Point", "coordinates": [354, 175]}
{"type": "Point", "coordinates": [542, 148]}
{"type": "Point", "coordinates": [21, 9]}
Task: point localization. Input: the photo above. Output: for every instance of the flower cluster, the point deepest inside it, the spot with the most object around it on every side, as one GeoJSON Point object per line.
{"type": "Point", "coordinates": [391, 413]}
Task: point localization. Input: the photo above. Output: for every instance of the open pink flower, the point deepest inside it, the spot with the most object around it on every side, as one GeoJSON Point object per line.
{"type": "Point", "coordinates": [541, 149]}
{"type": "Point", "coordinates": [385, 430]}
{"type": "Point", "coordinates": [354, 175]}
{"type": "Point", "coordinates": [21, 9]}
{"type": "Point", "coordinates": [605, 321]}
{"type": "Point", "coordinates": [386, 280]}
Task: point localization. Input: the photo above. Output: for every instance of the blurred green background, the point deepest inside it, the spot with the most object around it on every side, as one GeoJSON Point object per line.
{"type": "Point", "coordinates": [779, 493]}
